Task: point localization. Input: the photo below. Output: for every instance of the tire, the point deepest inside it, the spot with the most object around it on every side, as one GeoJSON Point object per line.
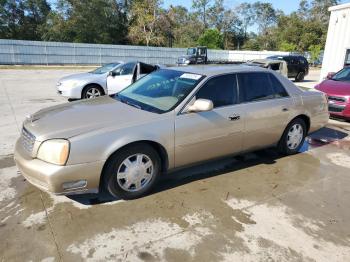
{"type": "Point", "coordinates": [124, 184]}
{"type": "Point", "coordinates": [300, 77]}
{"type": "Point", "coordinates": [92, 91]}
{"type": "Point", "coordinates": [289, 144]}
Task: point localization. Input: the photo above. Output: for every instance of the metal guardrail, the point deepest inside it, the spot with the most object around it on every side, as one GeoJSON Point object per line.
{"type": "Point", "coordinates": [21, 52]}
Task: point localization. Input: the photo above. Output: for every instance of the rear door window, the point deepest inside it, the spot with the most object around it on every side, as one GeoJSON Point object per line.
{"type": "Point", "coordinates": [254, 87]}
{"type": "Point", "coordinates": [279, 89]}
{"type": "Point", "coordinates": [221, 90]}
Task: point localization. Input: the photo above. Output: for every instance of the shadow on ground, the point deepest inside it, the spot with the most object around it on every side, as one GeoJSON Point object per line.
{"type": "Point", "coordinates": [214, 168]}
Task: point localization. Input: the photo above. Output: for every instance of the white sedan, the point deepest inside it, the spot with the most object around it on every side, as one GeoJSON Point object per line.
{"type": "Point", "coordinates": [106, 80]}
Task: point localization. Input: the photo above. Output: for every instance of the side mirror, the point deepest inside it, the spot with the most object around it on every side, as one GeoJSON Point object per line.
{"type": "Point", "coordinates": [330, 75]}
{"type": "Point", "coordinates": [112, 73]}
{"type": "Point", "coordinates": [201, 105]}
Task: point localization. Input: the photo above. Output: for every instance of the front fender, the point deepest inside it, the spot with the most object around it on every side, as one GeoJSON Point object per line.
{"type": "Point", "coordinates": [99, 145]}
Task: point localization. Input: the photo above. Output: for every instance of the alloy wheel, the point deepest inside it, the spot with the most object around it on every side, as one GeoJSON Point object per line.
{"type": "Point", "coordinates": [93, 92]}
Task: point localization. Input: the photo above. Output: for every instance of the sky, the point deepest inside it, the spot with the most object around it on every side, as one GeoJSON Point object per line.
{"type": "Point", "coordinates": [287, 6]}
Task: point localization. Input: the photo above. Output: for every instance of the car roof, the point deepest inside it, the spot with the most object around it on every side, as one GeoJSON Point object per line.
{"type": "Point", "coordinates": [212, 70]}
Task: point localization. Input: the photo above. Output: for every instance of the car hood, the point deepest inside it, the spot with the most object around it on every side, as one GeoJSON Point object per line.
{"type": "Point", "coordinates": [81, 77]}
{"type": "Point", "coordinates": [72, 119]}
{"type": "Point", "coordinates": [335, 88]}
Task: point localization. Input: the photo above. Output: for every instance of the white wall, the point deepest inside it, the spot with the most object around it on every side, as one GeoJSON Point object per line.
{"type": "Point", "coordinates": [338, 40]}
{"type": "Point", "coordinates": [251, 55]}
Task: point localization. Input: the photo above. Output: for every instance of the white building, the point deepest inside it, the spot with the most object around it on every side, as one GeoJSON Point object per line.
{"type": "Point", "coordinates": [337, 51]}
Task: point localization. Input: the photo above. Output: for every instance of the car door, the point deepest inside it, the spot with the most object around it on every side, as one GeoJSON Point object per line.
{"type": "Point", "coordinates": [293, 67]}
{"type": "Point", "coordinates": [206, 135]}
{"type": "Point", "coordinates": [267, 105]}
{"type": "Point", "coordinates": [120, 78]}
{"type": "Point", "coordinates": [201, 55]}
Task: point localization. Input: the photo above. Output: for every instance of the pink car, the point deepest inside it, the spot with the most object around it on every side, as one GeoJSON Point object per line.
{"type": "Point", "coordinates": [337, 88]}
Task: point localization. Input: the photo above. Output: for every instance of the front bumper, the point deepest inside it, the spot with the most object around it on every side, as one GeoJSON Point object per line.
{"type": "Point", "coordinates": [69, 91]}
{"type": "Point", "coordinates": [340, 110]}
{"type": "Point", "coordinates": [50, 177]}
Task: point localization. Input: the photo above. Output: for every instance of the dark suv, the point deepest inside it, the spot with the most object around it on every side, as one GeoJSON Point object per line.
{"type": "Point", "coordinates": [298, 66]}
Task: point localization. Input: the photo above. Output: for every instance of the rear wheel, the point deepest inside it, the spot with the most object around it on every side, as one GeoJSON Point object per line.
{"type": "Point", "coordinates": [293, 137]}
{"type": "Point", "coordinates": [300, 77]}
{"type": "Point", "coordinates": [92, 91]}
{"type": "Point", "coordinates": [132, 172]}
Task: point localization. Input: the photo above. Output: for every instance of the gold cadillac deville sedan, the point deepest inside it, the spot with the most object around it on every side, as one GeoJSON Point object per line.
{"type": "Point", "coordinates": [167, 120]}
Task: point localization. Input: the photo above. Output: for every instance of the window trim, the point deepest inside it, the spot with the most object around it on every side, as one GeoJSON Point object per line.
{"type": "Point", "coordinates": [181, 111]}
{"type": "Point", "coordinates": [239, 102]}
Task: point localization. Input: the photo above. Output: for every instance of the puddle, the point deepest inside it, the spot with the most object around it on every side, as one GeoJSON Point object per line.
{"type": "Point", "coordinates": [326, 136]}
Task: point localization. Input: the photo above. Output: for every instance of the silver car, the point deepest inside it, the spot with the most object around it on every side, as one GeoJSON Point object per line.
{"type": "Point", "coordinates": [106, 80]}
{"type": "Point", "coordinates": [167, 120]}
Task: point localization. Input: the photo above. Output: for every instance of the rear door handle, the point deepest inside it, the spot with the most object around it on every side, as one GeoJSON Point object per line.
{"type": "Point", "coordinates": [285, 109]}
{"type": "Point", "coordinates": [234, 118]}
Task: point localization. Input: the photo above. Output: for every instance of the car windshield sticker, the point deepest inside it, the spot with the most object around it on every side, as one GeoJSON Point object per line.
{"type": "Point", "coordinates": [190, 76]}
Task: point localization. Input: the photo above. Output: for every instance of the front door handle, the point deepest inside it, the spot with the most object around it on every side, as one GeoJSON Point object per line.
{"type": "Point", "coordinates": [234, 118]}
{"type": "Point", "coordinates": [285, 109]}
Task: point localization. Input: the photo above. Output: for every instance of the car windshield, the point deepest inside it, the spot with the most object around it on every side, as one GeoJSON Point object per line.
{"type": "Point", "coordinates": [160, 91]}
{"type": "Point", "coordinates": [191, 51]}
{"type": "Point", "coordinates": [104, 69]}
{"type": "Point", "coordinates": [342, 75]}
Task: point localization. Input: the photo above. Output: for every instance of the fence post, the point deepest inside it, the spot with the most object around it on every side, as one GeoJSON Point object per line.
{"type": "Point", "coordinates": [47, 60]}
{"type": "Point", "coordinates": [13, 53]}
{"type": "Point", "coordinates": [100, 56]}
{"type": "Point", "coordinates": [75, 57]}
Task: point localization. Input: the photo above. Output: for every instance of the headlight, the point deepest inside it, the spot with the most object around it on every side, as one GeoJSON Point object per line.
{"type": "Point", "coordinates": [54, 151]}
{"type": "Point", "coordinates": [187, 62]}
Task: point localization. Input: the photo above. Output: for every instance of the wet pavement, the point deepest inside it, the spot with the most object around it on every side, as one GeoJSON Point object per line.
{"type": "Point", "coordinates": [255, 207]}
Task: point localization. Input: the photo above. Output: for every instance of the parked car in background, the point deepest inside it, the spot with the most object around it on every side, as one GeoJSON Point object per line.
{"type": "Point", "coordinates": [298, 66]}
{"type": "Point", "coordinates": [106, 80]}
{"type": "Point", "coordinates": [126, 74]}
{"type": "Point", "coordinates": [167, 120]}
{"type": "Point", "coordinates": [337, 88]}
{"type": "Point", "coordinates": [279, 66]}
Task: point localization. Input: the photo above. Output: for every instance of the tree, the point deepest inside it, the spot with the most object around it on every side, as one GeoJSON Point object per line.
{"type": "Point", "coordinates": [265, 15]}
{"type": "Point", "coordinates": [144, 17]}
{"type": "Point", "coordinates": [287, 47]}
{"type": "Point", "coordinates": [211, 38]}
{"type": "Point", "coordinates": [36, 12]}
{"type": "Point", "coordinates": [201, 7]}
{"type": "Point", "coordinates": [216, 15]}
{"type": "Point", "coordinates": [172, 22]}
{"type": "Point", "coordinates": [315, 51]}
{"type": "Point", "coordinates": [86, 21]}
{"type": "Point", "coordinates": [22, 19]}
{"type": "Point", "coordinates": [247, 16]}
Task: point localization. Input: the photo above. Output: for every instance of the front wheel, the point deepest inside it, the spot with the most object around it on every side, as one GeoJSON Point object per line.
{"type": "Point", "coordinates": [92, 91]}
{"type": "Point", "coordinates": [132, 172]}
{"type": "Point", "coordinates": [293, 137]}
